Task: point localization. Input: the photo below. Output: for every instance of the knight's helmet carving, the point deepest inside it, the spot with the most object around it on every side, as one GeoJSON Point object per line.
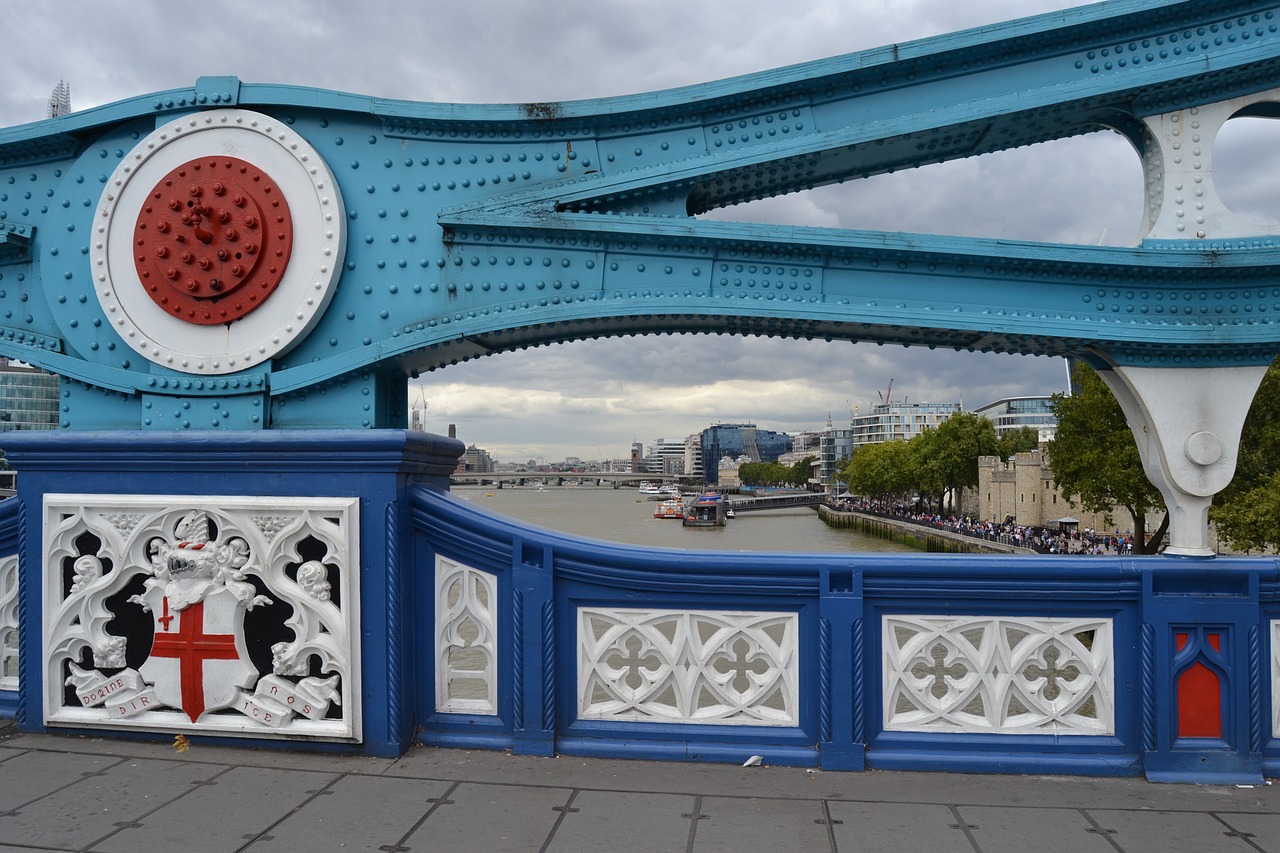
{"type": "Point", "coordinates": [192, 557]}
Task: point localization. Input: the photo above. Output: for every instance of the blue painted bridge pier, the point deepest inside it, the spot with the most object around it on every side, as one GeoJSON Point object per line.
{"type": "Point", "coordinates": [233, 536]}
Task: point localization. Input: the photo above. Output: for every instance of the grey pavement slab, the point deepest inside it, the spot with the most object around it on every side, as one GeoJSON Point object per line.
{"type": "Point", "coordinates": [1169, 832]}
{"type": "Point", "coordinates": [1261, 830]}
{"type": "Point", "coordinates": [27, 776]}
{"type": "Point", "coordinates": [897, 828]}
{"type": "Point", "coordinates": [101, 804]}
{"type": "Point", "coordinates": [493, 818]}
{"type": "Point", "coordinates": [1044, 830]}
{"type": "Point", "coordinates": [199, 821]}
{"type": "Point", "coordinates": [759, 824]}
{"type": "Point", "coordinates": [601, 820]}
{"type": "Point", "coordinates": [355, 813]}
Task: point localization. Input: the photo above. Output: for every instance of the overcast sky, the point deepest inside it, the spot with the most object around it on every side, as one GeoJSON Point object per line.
{"type": "Point", "coordinates": [592, 399]}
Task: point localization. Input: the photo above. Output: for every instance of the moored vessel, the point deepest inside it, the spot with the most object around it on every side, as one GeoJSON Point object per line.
{"type": "Point", "coordinates": [670, 508]}
{"type": "Point", "coordinates": [707, 510]}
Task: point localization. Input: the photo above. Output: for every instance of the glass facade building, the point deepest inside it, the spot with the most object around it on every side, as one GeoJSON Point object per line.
{"type": "Point", "coordinates": [734, 440]}
{"type": "Point", "coordinates": [1014, 413]}
{"type": "Point", "coordinates": [28, 400]}
{"type": "Point", "coordinates": [899, 421]}
{"type": "Point", "coordinates": [837, 447]}
{"type": "Point", "coordinates": [28, 397]}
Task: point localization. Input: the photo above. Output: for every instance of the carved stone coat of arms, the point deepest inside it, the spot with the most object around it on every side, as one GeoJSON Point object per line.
{"type": "Point", "coordinates": [202, 614]}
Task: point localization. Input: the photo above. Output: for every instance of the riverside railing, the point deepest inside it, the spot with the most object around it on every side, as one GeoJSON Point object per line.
{"type": "Point", "coordinates": [549, 643]}
{"type": "Point", "coordinates": [477, 631]}
{"type": "Point", "coordinates": [960, 529]}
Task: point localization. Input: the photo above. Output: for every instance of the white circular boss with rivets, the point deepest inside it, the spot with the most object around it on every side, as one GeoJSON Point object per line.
{"type": "Point", "coordinates": [185, 211]}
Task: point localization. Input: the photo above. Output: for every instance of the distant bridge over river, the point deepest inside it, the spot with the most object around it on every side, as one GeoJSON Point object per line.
{"type": "Point", "coordinates": [521, 478]}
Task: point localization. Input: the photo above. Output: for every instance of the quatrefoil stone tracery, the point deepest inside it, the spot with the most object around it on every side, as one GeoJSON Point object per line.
{"type": "Point", "coordinates": [998, 674]}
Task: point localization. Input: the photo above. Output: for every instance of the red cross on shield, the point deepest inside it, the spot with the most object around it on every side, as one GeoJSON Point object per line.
{"type": "Point", "coordinates": [199, 661]}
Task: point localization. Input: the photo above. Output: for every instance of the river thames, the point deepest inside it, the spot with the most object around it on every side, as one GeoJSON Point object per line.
{"type": "Point", "coordinates": [621, 515]}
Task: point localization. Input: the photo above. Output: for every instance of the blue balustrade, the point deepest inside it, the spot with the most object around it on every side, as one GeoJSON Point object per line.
{"type": "Point", "coordinates": [976, 663]}
{"type": "Point", "coordinates": [374, 610]}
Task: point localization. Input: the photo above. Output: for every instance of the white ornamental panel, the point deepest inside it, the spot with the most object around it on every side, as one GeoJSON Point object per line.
{"type": "Point", "coordinates": [203, 614]}
{"type": "Point", "coordinates": [997, 674]}
{"type": "Point", "coordinates": [466, 639]}
{"type": "Point", "coordinates": [1275, 678]}
{"type": "Point", "coordinates": [700, 666]}
{"type": "Point", "coordinates": [9, 622]}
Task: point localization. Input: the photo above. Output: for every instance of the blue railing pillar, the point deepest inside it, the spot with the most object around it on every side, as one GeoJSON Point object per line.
{"type": "Point", "coordinates": [841, 673]}
{"type": "Point", "coordinates": [318, 518]}
{"type": "Point", "coordinates": [1202, 671]}
{"type": "Point", "coordinates": [533, 707]}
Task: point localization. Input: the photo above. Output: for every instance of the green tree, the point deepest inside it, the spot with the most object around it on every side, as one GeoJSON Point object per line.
{"type": "Point", "coordinates": [774, 473]}
{"type": "Point", "coordinates": [879, 470]}
{"type": "Point", "coordinates": [758, 473]}
{"type": "Point", "coordinates": [924, 470]}
{"type": "Point", "coordinates": [799, 473]}
{"type": "Point", "coordinates": [1018, 441]}
{"type": "Point", "coordinates": [1095, 458]}
{"type": "Point", "coordinates": [1247, 512]}
{"type": "Point", "coordinates": [953, 449]}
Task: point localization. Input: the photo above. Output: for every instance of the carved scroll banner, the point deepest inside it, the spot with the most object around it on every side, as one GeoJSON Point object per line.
{"type": "Point", "coordinates": [202, 614]}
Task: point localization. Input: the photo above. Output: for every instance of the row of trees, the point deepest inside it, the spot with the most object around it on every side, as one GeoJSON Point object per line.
{"type": "Point", "coordinates": [934, 463]}
{"type": "Point", "coordinates": [776, 474]}
{"type": "Point", "coordinates": [1094, 459]}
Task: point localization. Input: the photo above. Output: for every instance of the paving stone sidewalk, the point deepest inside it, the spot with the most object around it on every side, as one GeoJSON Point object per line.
{"type": "Point", "coordinates": [91, 794]}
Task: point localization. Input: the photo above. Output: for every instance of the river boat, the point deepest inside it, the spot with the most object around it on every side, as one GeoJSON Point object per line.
{"type": "Point", "coordinates": [652, 491]}
{"type": "Point", "coordinates": [672, 508]}
{"type": "Point", "coordinates": [659, 492]}
{"type": "Point", "coordinates": [707, 510]}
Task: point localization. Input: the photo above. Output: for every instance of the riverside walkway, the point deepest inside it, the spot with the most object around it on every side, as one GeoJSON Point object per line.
{"type": "Point", "coordinates": [933, 537]}
{"type": "Point", "coordinates": [62, 792]}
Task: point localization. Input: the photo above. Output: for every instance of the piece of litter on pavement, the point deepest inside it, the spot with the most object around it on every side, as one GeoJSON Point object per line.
{"type": "Point", "coordinates": [753, 761]}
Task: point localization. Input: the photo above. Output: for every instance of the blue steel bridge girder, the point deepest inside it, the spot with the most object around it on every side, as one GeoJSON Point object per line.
{"type": "Point", "coordinates": [426, 234]}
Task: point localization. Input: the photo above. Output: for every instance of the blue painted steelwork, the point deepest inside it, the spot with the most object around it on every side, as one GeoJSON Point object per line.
{"type": "Point", "coordinates": [479, 229]}
{"type": "Point", "coordinates": [450, 232]}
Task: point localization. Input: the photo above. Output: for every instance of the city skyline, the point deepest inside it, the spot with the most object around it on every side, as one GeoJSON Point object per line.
{"type": "Point", "coordinates": [651, 445]}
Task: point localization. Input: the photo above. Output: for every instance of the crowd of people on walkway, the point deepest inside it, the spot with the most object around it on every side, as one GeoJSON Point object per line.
{"type": "Point", "coordinates": [1044, 540]}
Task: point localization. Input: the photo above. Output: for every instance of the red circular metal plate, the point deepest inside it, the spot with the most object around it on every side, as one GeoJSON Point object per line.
{"type": "Point", "coordinates": [212, 240]}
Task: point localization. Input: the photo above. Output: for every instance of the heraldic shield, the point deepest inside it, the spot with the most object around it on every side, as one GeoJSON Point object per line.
{"type": "Point", "coordinates": [198, 660]}
{"type": "Point", "coordinates": [200, 614]}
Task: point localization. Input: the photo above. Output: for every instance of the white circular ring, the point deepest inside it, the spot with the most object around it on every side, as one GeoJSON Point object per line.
{"type": "Point", "coordinates": [291, 311]}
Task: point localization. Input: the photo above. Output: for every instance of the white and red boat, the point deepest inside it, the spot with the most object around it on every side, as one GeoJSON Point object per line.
{"type": "Point", "coordinates": [671, 508]}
